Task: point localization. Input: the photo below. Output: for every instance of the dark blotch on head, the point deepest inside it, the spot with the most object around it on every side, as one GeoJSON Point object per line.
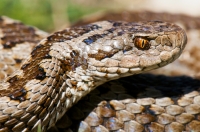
{"type": "Point", "coordinates": [34, 51]}
{"type": "Point", "coordinates": [47, 56]}
{"type": "Point", "coordinates": [13, 79]}
{"type": "Point", "coordinates": [111, 30]}
{"type": "Point", "coordinates": [157, 21]}
{"type": "Point", "coordinates": [116, 24]}
{"type": "Point", "coordinates": [24, 66]}
{"type": "Point", "coordinates": [88, 41]}
{"type": "Point", "coordinates": [132, 29]}
{"type": "Point", "coordinates": [120, 33]}
{"type": "Point", "coordinates": [93, 27]}
{"type": "Point", "coordinates": [92, 38]}
{"type": "Point", "coordinates": [71, 33]}
{"type": "Point", "coordinates": [18, 94]}
{"type": "Point", "coordinates": [41, 75]}
{"type": "Point", "coordinates": [58, 37]}
{"type": "Point", "coordinates": [17, 33]}
{"type": "Point", "coordinates": [18, 61]}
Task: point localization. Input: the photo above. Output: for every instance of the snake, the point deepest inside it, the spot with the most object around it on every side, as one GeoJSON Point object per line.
{"type": "Point", "coordinates": [66, 65]}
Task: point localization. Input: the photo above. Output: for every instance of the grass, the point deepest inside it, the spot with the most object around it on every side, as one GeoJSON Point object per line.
{"type": "Point", "coordinates": [47, 15]}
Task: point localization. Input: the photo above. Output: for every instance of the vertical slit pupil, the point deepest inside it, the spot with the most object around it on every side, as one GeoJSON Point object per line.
{"type": "Point", "coordinates": [143, 44]}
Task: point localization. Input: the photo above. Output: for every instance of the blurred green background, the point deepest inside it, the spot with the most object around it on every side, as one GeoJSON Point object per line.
{"type": "Point", "coordinates": [48, 15]}
{"type": "Point", "coordinates": [52, 15]}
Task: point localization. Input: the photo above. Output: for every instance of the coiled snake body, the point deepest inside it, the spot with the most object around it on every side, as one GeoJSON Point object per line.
{"type": "Point", "coordinates": [68, 64]}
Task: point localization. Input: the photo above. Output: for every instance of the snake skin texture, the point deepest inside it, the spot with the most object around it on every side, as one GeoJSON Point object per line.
{"type": "Point", "coordinates": [179, 110]}
{"type": "Point", "coordinates": [140, 103]}
{"type": "Point", "coordinates": [68, 64]}
{"type": "Point", "coordinates": [16, 43]}
{"type": "Point", "coordinates": [182, 66]}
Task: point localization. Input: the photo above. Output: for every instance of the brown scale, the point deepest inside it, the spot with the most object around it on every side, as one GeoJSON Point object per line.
{"type": "Point", "coordinates": [113, 123]}
{"type": "Point", "coordinates": [45, 101]}
{"type": "Point", "coordinates": [17, 33]}
{"type": "Point", "coordinates": [111, 30]}
{"type": "Point", "coordinates": [103, 54]}
{"type": "Point", "coordinates": [71, 33]}
{"type": "Point", "coordinates": [56, 37]}
{"type": "Point", "coordinates": [92, 38]}
{"type": "Point", "coordinates": [33, 71]}
{"type": "Point", "coordinates": [69, 94]}
{"type": "Point", "coordinates": [95, 37]}
{"type": "Point", "coordinates": [145, 118]}
{"type": "Point", "coordinates": [106, 110]}
{"type": "Point", "coordinates": [120, 33]}
{"type": "Point", "coordinates": [117, 24]}
{"type": "Point", "coordinates": [89, 27]}
{"type": "Point", "coordinates": [73, 83]}
{"type": "Point", "coordinates": [41, 75]}
{"type": "Point", "coordinates": [134, 87]}
{"type": "Point", "coordinates": [80, 89]}
{"type": "Point", "coordinates": [18, 95]}
{"type": "Point", "coordinates": [75, 61]}
{"type": "Point", "coordinates": [35, 50]}
{"type": "Point", "coordinates": [127, 48]}
{"type": "Point", "coordinates": [24, 66]}
{"type": "Point", "coordinates": [13, 79]}
{"type": "Point", "coordinates": [18, 61]}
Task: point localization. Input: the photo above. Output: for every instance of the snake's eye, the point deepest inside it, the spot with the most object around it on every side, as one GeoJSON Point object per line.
{"type": "Point", "coordinates": [142, 43]}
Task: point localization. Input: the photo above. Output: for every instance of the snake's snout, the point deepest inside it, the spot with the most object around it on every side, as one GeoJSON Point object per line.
{"type": "Point", "coordinates": [158, 48]}
{"type": "Point", "coordinates": [183, 38]}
